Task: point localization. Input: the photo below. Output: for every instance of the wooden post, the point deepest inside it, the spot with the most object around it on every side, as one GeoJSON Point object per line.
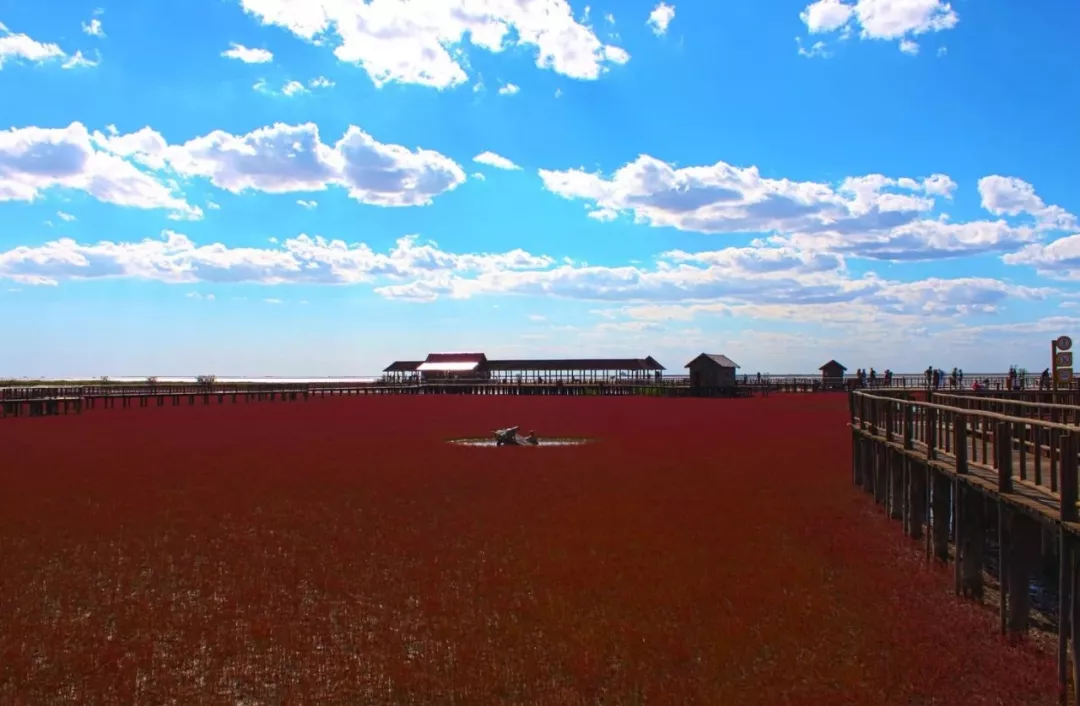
{"type": "Point", "coordinates": [896, 482]}
{"type": "Point", "coordinates": [881, 489]}
{"type": "Point", "coordinates": [943, 503]}
{"type": "Point", "coordinates": [1005, 563]}
{"type": "Point", "coordinates": [1004, 453]}
{"type": "Point", "coordinates": [1023, 535]}
{"type": "Point", "coordinates": [1068, 468]}
{"type": "Point", "coordinates": [970, 542]}
{"type": "Point", "coordinates": [931, 433]}
{"type": "Point", "coordinates": [1074, 625]}
{"type": "Point", "coordinates": [866, 459]}
{"type": "Point", "coordinates": [1065, 602]}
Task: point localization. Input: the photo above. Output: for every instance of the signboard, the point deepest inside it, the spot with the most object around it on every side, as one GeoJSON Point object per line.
{"type": "Point", "coordinates": [1061, 360]}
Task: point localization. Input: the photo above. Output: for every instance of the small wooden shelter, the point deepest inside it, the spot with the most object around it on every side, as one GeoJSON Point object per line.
{"type": "Point", "coordinates": [402, 371]}
{"type": "Point", "coordinates": [712, 370]}
{"type": "Point", "coordinates": [832, 375]}
{"type": "Point", "coordinates": [473, 366]}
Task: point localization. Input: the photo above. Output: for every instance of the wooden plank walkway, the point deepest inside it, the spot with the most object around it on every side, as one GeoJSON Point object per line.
{"type": "Point", "coordinates": [944, 470]}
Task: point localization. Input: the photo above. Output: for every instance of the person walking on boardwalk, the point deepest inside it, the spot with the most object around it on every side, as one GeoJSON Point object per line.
{"type": "Point", "coordinates": [1044, 380]}
{"type": "Point", "coordinates": [873, 378]}
{"type": "Point", "coordinates": [954, 380]}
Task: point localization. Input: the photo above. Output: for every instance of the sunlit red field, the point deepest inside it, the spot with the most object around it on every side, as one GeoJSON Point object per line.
{"type": "Point", "coordinates": [338, 551]}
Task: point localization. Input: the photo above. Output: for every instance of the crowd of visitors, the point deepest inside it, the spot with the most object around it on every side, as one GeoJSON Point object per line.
{"type": "Point", "coordinates": [937, 379]}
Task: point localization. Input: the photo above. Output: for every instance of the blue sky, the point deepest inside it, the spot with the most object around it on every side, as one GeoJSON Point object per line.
{"type": "Point", "coordinates": [318, 187]}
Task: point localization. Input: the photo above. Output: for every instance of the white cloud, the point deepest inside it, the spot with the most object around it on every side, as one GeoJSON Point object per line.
{"type": "Point", "coordinates": [272, 301]}
{"type": "Point", "coordinates": [660, 17]}
{"type": "Point", "coordinates": [20, 47]}
{"type": "Point", "coordinates": [78, 61]}
{"type": "Point", "coordinates": [136, 169]}
{"type": "Point", "coordinates": [307, 204]}
{"type": "Point", "coordinates": [881, 19]}
{"type": "Point", "coordinates": [290, 158]}
{"type": "Point", "coordinates": [1009, 196]}
{"type": "Point", "coordinates": [35, 159]}
{"type": "Point", "coordinates": [869, 216]}
{"type": "Point", "coordinates": [93, 28]}
{"type": "Point", "coordinates": [909, 47]}
{"type": "Point", "coordinates": [872, 216]}
{"type": "Point", "coordinates": [758, 282]}
{"type": "Point", "coordinates": [509, 89]}
{"type": "Point", "coordinates": [65, 216]}
{"type": "Point", "coordinates": [1059, 259]}
{"type": "Point", "coordinates": [494, 160]}
{"type": "Point", "coordinates": [246, 55]}
{"type": "Point", "coordinates": [292, 88]}
{"type": "Point", "coordinates": [817, 50]}
{"type": "Point", "coordinates": [424, 42]}
{"type": "Point", "coordinates": [176, 259]}
{"type": "Point", "coordinates": [200, 296]}
{"type": "Point", "coordinates": [616, 55]}
{"type": "Point", "coordinates": [923, 239]}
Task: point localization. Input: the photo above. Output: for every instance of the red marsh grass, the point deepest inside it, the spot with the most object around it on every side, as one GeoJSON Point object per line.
{"type": "Point", "coordinates": [339, 551]}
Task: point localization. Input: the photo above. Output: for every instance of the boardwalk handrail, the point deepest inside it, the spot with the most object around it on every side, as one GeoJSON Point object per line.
{"type": "Point", "coordinates": [1005, 401]}
{"type": "Point", "coordinates": [1011, 451]}
{"type": "Point", "coordinates": [977, 412]}
{"type": "Point", "coordinates": [948, 472]}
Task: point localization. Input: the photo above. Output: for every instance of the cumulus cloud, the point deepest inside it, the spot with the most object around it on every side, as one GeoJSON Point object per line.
{"type": "Point", "coordinates": [660, 17]}
{"type": "Point", "coordinates": [1059, 259]}
{"type": "Point", "coordinates": [176, 259]}
{"type": "Point", "coordinates": [425, 42]}
{"type": "Point", "coordinates": [35, 159]}
{"type": "Point", "coordinates": [760, 281]}
{"type": "Point", "coordinates": [20, 47]}
{"type": "Point", "coordinates": [1009, 196]}
{"type": "Point", "coordinates": [246, 55]}
{"type": "Point", "coordinates": [895, 20]}
{"type": "Point", "coordinates": [872, 216]}
{"type": "Point", "coordinates": [494, 160]}
{"type": "Point", "coordinates": [509, 89]}
{"type": "Point", "coordinates": [137, 169]}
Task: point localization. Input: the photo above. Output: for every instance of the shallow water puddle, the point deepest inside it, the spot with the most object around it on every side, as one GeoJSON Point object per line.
{"type": "Point", "coordinates": [543, 442]}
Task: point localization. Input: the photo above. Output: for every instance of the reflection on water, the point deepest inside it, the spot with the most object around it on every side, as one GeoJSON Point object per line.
{"type": "Point", "coordinates": [543, 442]}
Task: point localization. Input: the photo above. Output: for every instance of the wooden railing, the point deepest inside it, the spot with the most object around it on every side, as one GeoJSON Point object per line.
{"type": "Point", "coordinates": [1040, 454]}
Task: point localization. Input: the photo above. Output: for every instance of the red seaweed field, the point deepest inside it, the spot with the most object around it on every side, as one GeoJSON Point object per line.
{"type": "Point", "coordinates": [338, 551]}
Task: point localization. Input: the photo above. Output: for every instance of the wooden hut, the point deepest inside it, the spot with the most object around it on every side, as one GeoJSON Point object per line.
{"type": "Point", "coordinates": [832, 375]}
{"type": "Point", "coordinates": [712, 370]}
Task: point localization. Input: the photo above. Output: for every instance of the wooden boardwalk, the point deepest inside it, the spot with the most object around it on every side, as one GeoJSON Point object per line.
{"type": "Point", "coordinates": [952, 474]}
{"type": "Point", "coordinates": [49, 401]}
